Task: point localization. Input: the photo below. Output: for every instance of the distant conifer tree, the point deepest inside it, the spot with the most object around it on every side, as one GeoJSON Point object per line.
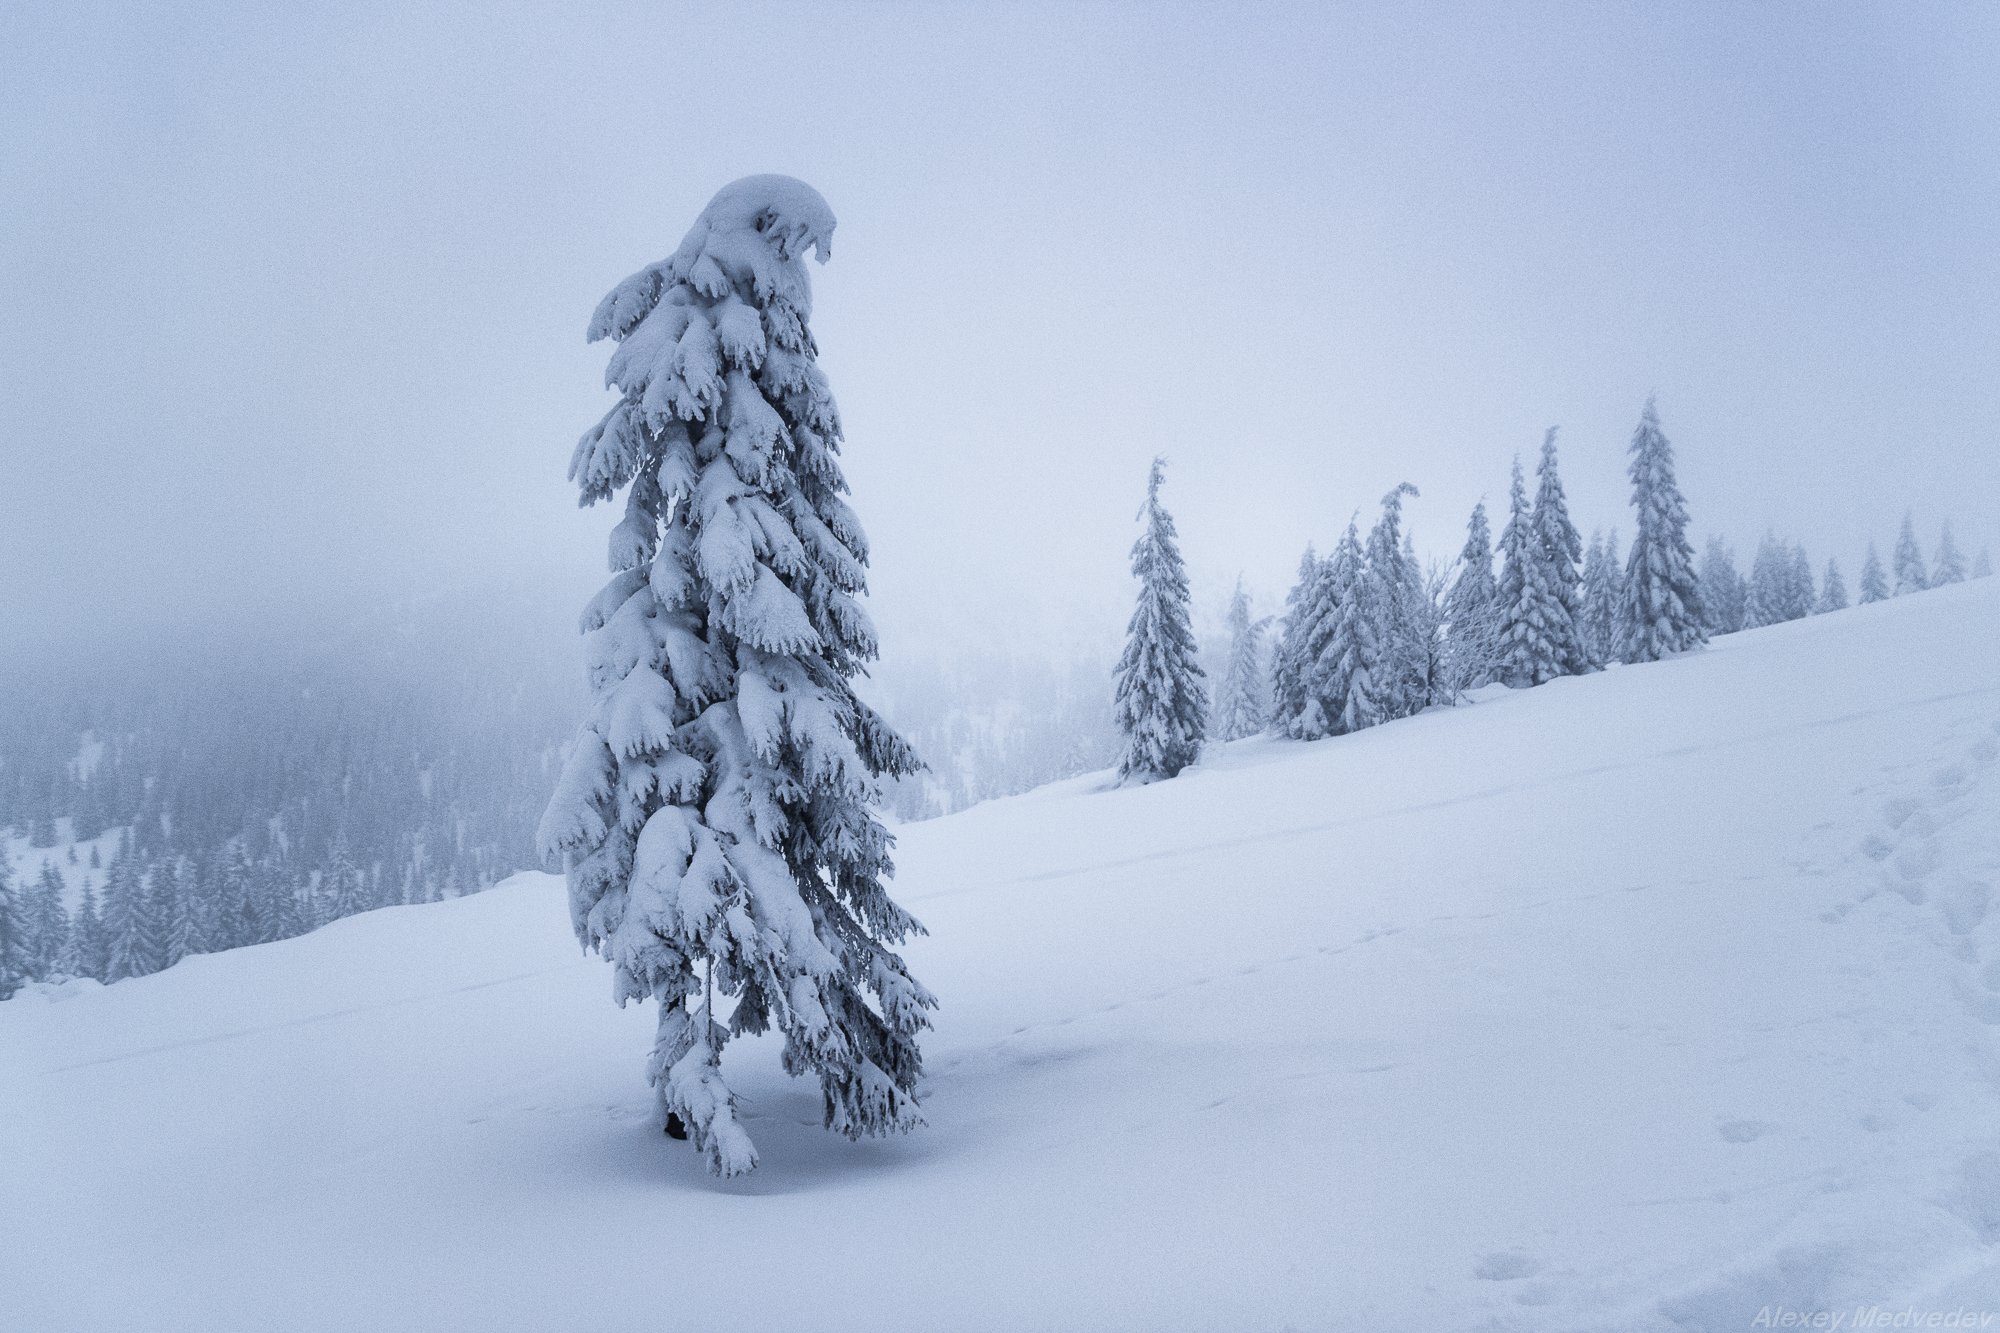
{"type": "Point", "coordinates": [1345, 679]}
{"type": "Point", "coordinates": [1950, 565]}
{"type": "Point", "coordinates": [1662, 611]}
{"type": "Point", "coordinates": [1799, 589]}
{"type": "Point", "coordinates": [1724, 594]}
{"type": "Point", "coordinates": [1562, 557]}
{"type": "Point", "coordinates": [1832, 592]}
{"type": "Point", "coordinates": [13, 933]}
{"type": "Point", "coordinates": [1239, 711]}
{"type": "Point", "coordinates": [1874, 582]}
{"type": "Point", "coordinates": [1472, 608]}
{"type": "Point", "coordinates": [1394, 600]}
{"type": "Point", "coordinates": [1535, 631]}
{"type": "Point", "coordinates": [1161, 701]}
{"type": "Point", "coordinates": [1292, 707]}
{"type": "Point", "coordinates": [1603, 591]}
{"type": "Point", "coordinates": [1911, 575]}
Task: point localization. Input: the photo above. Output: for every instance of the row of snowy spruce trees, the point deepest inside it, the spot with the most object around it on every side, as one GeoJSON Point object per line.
{"type": "Point", "coordinates": [155, 911]}
{"type": "Point", "coordinates": [1370, 635]}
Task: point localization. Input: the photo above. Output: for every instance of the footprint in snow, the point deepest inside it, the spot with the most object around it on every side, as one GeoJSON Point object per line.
{"type": "Point", "coordinates": [1506, 1266]}
{"type": "Point", "coordinates": [1744, 1131]}
{"type": "Point", "coordinates": [1897, 811]}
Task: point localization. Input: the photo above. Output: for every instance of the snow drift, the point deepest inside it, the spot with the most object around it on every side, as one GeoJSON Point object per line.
{"type": "Point", "coordinates": [1650, 1000]}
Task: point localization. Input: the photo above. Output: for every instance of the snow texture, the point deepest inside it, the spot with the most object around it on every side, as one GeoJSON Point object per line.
{"type": "Point", "coordinates": [1636, 1002]}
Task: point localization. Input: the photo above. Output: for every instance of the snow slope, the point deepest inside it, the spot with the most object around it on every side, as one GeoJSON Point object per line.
{"type": "Point", "coordinates": [1638, 1002]}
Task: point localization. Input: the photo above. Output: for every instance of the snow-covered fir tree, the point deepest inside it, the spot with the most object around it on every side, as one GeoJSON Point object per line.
{"type": "Point", "coordinates": [1537, 636]}
{"type": "Point", "coordinates": [1772, 596]}
{"type": "Point", "coordinates": [127, 949]}
{"type": "Point", "coordinates": [342, 887]}
{"type": "Point", "coordinates": [292, 914]}
{"type": "Point", "coordinates": [1344, 678]}
{"type": "Point", "coordinates": [1949, 567]}
{"type": "Point", "coordinates": [1832, 590]}
{"type": "Point", "coordinates": [1724, 594]}
{"type": "Point", "coordinates": [1911, 576]}
{"type": "Point", "coordinates": [180, 914]}
{"type": "Point", "coordinates": [1662, 610]}
{"type": "Point", "coordinates": [161, 920]}
{"type": "Point", "coordinates": [1394, 601]}
{"type": "Point", "coordinates": [714, 814]}
{"type": "Point", "coordinates": [1425, 618]}
{"type": "Point", "coordinates": [1239, 711]}
{"type": "Point", "coordinates": [1472, 610]}
{"type": "Point", "coordinates": [1292, 710]}
{"type": "Point", "coordinates": [14, 972]}
{"type": "Point", "coordinates": [1161, 702]}
{"type": "Point", "coordinates": [47, 922]}
{"type": "Point", "coordinates": [1874, 582]}
{"type": "Point", "coordinates": [1562, 559]}
{"type": "Point", "coordinates": [1603, 591]}
{"type": "Point", "coordinates": [241, 916]}
{"type": "Point", "coordinates": [85, 955]}
{"type": "Point", "coordinates": [1799, 588]}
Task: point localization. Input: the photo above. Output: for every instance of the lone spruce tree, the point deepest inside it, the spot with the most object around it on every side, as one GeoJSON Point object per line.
{"type": "Point", "coordinates": [1661, 614]}
{"type": "Point", "coordinates": [1240, 711]}
{"type": "Point", "coordinates": [714, 815]}
{"type": "Point", "coordinates": [1161, 703]}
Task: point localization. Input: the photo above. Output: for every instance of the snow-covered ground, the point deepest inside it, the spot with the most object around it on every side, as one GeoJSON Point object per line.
{"type": "Point", "coordinates": [1655, 1000]}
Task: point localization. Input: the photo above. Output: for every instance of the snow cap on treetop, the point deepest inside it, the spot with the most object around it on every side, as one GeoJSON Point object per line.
{"type": "Point", "coordinates": [753, 231]}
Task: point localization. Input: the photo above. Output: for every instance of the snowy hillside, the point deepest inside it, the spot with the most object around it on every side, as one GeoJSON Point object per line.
{"type": "Point", "coordinates": [1640, 1001]}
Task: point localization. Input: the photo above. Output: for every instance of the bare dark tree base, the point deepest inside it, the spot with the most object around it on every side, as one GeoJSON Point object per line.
{"type": "Point", "coordinates": [675, 1128]}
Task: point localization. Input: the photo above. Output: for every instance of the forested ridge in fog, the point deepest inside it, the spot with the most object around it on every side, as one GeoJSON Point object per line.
{"type": "Point", "coordinates": [262, 783]}
{"type": "Point", "coordinates": [162, 798]}
{"type": "Point", "coordinates": [253, 787]}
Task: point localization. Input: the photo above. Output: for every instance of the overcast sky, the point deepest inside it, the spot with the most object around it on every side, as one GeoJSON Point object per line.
{"type": "Point", "coordinates": [292, 298]}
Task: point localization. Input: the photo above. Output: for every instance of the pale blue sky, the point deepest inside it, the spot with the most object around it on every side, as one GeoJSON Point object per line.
{"type": "Point", "coordinates": [291, 303]}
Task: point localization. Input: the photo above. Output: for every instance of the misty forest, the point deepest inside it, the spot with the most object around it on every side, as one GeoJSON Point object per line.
{"type": "Point", "coordinates": [155, 810]}
{"type": "Point", "coordinates": [1339, 675]}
